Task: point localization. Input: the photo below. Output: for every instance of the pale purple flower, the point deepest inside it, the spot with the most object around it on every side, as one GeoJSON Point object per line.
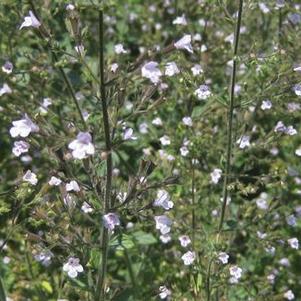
{"type": "Point", "coordinates": [223, 257]}
{"type": "Point", "coordinates": [72, 186]}
{"type": "Point", "coordinates": [70, 7]}
{"type": "Point", "coordinates": [69, 201]}
{"type": "Point", "coordinates": [164, 292]}
{"type": "Point", "coordinates": [184, 43]}
{"type": "Point", "coordinates": [187, 120]}
{"type": "Point", "coordinates": [203, 92]}
{"type": "Point", "coordinates": [284, 262]}
{"type": "Point", "coordinates": [111, 220]}
{"type": "Point", "coordinates": [119, 49]}
{"type": "Point", "coordinates": [20, 147]}
{"type": "Point", "coordinates": [261, 235]}
{"type": "Point", "coordinates": [263, 7]}
{"type": "Point", "coordinates": [290, 130]}
{"type": "Point", "coordinates": [280, 127]}
{"type": "Point", "coordinates": [297, 89]}
{"type": "Point", "coordinates": [243, 141]}
{"type": "Point", "coordinates": [171, 69]}
{"type": "Point", "coordinates": [266, 105]}
{"type": "Point", "coordinates": [215, 175]}
{"type": "Point", "coordinates": [293, 106]}
{"type": "Point", "coordinates": [82, 146]}
{"type": "Point", "coordinates": [5, 89]}
{"type": "Point", "coordinates": [165, 140]}
{"type": "Point", "coordinates": [44, 257]}
{"type": "Point", "coordinates": [30, 177]}
{"type": "Point", "coordinates": [166, 238]}
{"type": "Point", "coordinates": [30, 21]}
{"type": "Point", "coordinates": [261, 202]}
{"type": "Point", "coordinates": [298, 151]}
{"type": "Point", "coordinates": [163, 200]}
{"type": "Point", "coordinates": [184, 240]}
{"type": "Point", "coordinates": [163, 223]}
{"type": "Point", "coordinates": [23, 127]}
{"type": "Point", "coordinates": [73, 267]}
{"type": "Point", "coordinates": [184, 151]}
{"type": "Point", "coordinates": [294, 243]}
{"type": "Point", "coordinates": [236, 273]}
{"type": "Point", "coordinates": [157, 121]}
{"type": "Point", "coordinates": [151, 71]}
{"type": "Point", "coordinates": [45, 104]}
{"type": "Point", "coordinates": [143, 128]}
{"type": "Point", "coordinates": [291, 220]}
{"type": "Point", "coordinates": [54, 181]}
{"type": "Point", "coordinates": [128, 134]}
{"type": "Point", "coordinates": [114, 67]}
{"type": "Point", "coordinates": [86, 208]}
{"type": "Point", "coordinates": [196, 69]}
{"type": "Point", "coordinates": [7, 67]}
{"type": "Point", "coordinates": [188, 258]}
{"type": "Point", "coordinates": [289, 295]}
{"type": "Point", "coordinates": [180, 20]}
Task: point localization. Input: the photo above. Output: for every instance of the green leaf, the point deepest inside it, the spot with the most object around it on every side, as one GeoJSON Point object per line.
{"type": "Point", "coordinates": [122, 242]}
{"type": "Point", "coordinates": [2, 291]}
{"type": "Point", "coordinates": [143, 238]}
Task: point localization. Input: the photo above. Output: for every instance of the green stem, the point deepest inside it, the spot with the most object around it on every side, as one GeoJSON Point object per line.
{"type": "Point", "coordinates": [230, 118]}
{"type": "Point", "coordinates": [100, 287]}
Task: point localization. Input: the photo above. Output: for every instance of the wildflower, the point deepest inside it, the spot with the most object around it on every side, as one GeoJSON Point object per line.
{"type": "Point", "coordinates": [80, 49]}
{"type": "Point", "coordinates": [23, 127]}
{"type": "Point", "coordinates": [291, 220]}
{"type": "Point", "coordinates": [223, 257]}
{"type": "Point", "coordinates": [30, 177]}
{"type": "Point", "coordinates": [44, 257]}
{"type": "Point", "coordinates": [151, 71]}
{"type": "Point", "coordinates": [165, 140]}
{"type": "Point", "coordinates": [297, 89]}
{"type": "Point", "coordinates": [180, 20]}
{"type": "Point", "coordinates": [295, 18]}
{"type": "Point", "coordinates": [82, 146]}
{"type": "Point", "coordinates": [70, 7]}
{"type": "Point", "coordinates": [263, 7]}
{"type": "Point", "coordinates": [54, 181]}
{"type": "Point", "coordinates": [163, 223]}
{"type": "Point", "coordinates": [46, 103]}
{"type": "Point", "coordinates": [171, 69]}
{"type": "Point", "coordinates": [188, 258]}
{"type": "Point", "coordinates": [20, 147]}
{"type": "Point", "coordinates": [128, 134]}
{"type": "Point", "coordinates": [261, 202]}
{"type": "Point", "coordinates": [187, 120]}
{"type": "Point", "coordinates": [72, 186]}
{"type": "Point", "coordinates": [184, 43]}
{"type": "Point", "coordinates": [298, 151]}
{"type": "Point", "coordinates": [163, 200]}
{"type": "Point", "coordinates": [236, 273]}
{"type": "Point", "coordinates": [184, 240]}
{"type": "Point", "coordinates": [157, 121]}
{"type": "Point", "coordinates": [290, 130]}
{"type": "Point", "coordinates": [5, 89]}
{"type": "Point", "coordinates": [261, 235]}
{"type": "Point", "coordinates": [284, 262]}
{"type": "Point", "coordinates": [293, 106]}
{"type": "Point", "coordinates": [280, 127]}
{"type": "Point", "coordinates": [69, 201]}
{"type": "Point", "coordinates": [165, 238]}
{"type": "Point", "coordinates": [243, 141]}
{"type": "Point", "coordinates": [184, 151]}
{"type": "Point", "coordinates": [294, 243]}
{"type": "Point", "coordinates": [114, 67]}
{"type": "Point", "coordinates": [289, 295]}
{"type": "Point", "coordinates": [266, 105]}
{"type": "Point", "coordinates": [164, 292]}
{"type": "Point", "coordinates": [86, 208]}
{"type": "Point", "coordinates": [215, 175]}
{"type": "Point", "coordinates": [7, 67]}
{"type": "Point", "coordinates": [143, 128]}
{"type": "Point", "coordinates": [196, 69]}
{"type": "Point", "coordinates": [203, 92]}
{"type": "Point", "coordinates": [111, 220]}
{"type": "Point", "coordinates": [73, 267]}
{"type": "Point", "coordinates": [119, 49]}
{"type": "Point", "coordinates": [30, 21]}
{"type": "Point", "coordinates": [271, 278]}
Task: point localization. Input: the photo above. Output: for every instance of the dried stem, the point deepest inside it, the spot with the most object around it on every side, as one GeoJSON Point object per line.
{"type": "Point", "coordinates": [230, 118]}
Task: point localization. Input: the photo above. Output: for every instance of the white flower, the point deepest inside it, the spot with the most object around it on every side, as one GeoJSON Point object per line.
{"type": "Point", "coordinates": [261, 235]}
{"type": "Point", "coordinates": [5, 89]}
{"type": "Point", "coordinates": [23, 127]}
{"type": "Point", "coordinates": [293, 106]}
{"type": "Point", "coordinates": [30, 21]}
{"type": "Point", "coordinates": [285, 262]}
{"type": "Point", "coordinates": [298, 151]}
{"type": "Point", "coordinates": [70, 7]}
{"type": "Point", "coordinates": [187, 120]}
{"type": "Point", "coordinates": [289, 295]}
{"type": "Point", "coordinates": [157, 121]}
{"type": "Point", "coordinates": [235, 272]}
{"type": "Point", "coordinates": [243, 141]}
{"type": "Point", "coordinates": [7, 67]}
{"type": "Point", "coordinates": [261, 202]}
{"type": "Point", "coordinates": [263, 7]}
{"type": "Point", "coordinates": [111, 220]}
{"type": "Point", "coordinates": [114, 67]}
{"type": "Point", "coordinates": [223, 257]}
{"type": "Point", "coordinates": [128, 134]}
{"type": "Point", "coordinates": [184, 240]}
{"type": "Point", "coordinates": [188, 258]}
{"type": "Point", "coordinates": [72, 186]}
{"type": "Point", "coordinates": [165, 238]}
{"type": "Point", "coordinates": [196, 69]}
{"type": "Point", "coordinates": [184, 151]}
{"type": "Point", "coordinates": [119, 49]}
{"type": "Point", "coordinates": [86, 208]}
{"type": "Point", "coordinates": [266, 105]}
{"type": "Point", "coordinates": [20, 147]}
{"type": "Point", "coordinates": [180, 20]}
{"type": "Point", "coordinates": [215, 175]}
{"type": "Point", "coordinates": [73, 267]}
{"type": "Point", "coordinates": [297, 89]}
{"type": "Point", "coordinates": [164, 292]}
{"type": "Point", "coordinates": [163, 223]}
{"type": "Point", "coordinates": [82, 146]}
{"type": "Point", "coordinates": [184, 43]}
{"type": "Point", "coordinates": [151, 71]}
{"type": "Point", "coordinates": [280, 127]}
{"type": "Point", "coordinates": [80, 49]}
{"type": "Point", "coordinates": [30, 177]}
{"type": "Point", "coordinates": [203, 92]}
{"type": "Point", "coordinates": [165, 140]}
{"type": "Point", "coordinates": [46, 103]}
{"type": "Point", "coordinates": [54, 181]}
{"type": "Point", "coordinates": [44, 257]}
{"type": "Point", "coordinates": [143, 128]}
{"type": "Point", "coordinates": [163, 200]}
{"type": "Point", "coordinates": [290, 130]}
{"type": "Point", "coordinates": [171, 69]}
{"type": "Point", "coordinates": [293, 242]}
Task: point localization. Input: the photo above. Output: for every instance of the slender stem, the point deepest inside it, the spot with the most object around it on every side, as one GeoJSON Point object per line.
{"type": "Point", "coordinates": [230, 118]}
{"type": "Point", "coordinates": [100, 287]}
{"type": "Point", "coordinates": [193, 205]}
